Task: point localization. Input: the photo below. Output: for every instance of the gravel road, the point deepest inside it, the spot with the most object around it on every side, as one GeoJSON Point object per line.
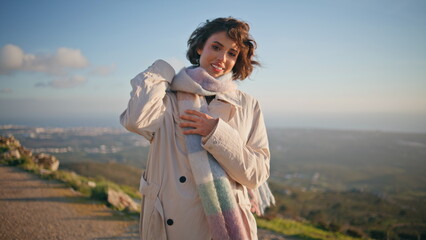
{"type": "Point", "coordinates": [33, 208]}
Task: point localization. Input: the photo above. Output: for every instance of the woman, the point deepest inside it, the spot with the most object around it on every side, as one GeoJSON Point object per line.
{"type": "Point", "coordinates": [209, 148]}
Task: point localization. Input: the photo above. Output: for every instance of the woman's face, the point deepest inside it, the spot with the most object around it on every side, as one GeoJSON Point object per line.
{"type": "Point", "coordinates": [219, 54]}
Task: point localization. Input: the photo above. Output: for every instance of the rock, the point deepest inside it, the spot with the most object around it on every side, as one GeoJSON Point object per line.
{"type": "Point", "coordinates": [10, 142]}
{"type": "Point", "coordinates": [13, 147]}
{"type": "Point", "coordinates": [46, 161]}
{"type": "Point", "coordinates": [121, 201]}
{"type": "Point", "coordinates": [91, 184]}
{"type": "Point", "coordinates": [12, 154]}
{"type": "Point", "coordinates": [25, 152]}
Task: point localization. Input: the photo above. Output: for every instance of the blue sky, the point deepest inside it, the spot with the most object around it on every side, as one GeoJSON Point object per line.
{"type": "Point", "coordinates": [326, 64]}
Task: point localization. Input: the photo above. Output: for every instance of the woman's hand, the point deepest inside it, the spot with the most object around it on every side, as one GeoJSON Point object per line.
{"type": "Point", "coordinates": [201, 123]}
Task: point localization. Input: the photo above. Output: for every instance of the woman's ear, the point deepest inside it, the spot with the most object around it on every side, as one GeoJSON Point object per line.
{"type": "Point", "coordinates": [199, 51]}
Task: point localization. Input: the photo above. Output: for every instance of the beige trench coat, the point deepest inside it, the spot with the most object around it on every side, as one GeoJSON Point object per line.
{"type": "Point", "coordinates": [171, 207]}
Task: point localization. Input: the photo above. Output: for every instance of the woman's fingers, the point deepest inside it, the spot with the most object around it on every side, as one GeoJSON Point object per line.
{"type": "Point", "coordinates": [195, 116]}
{"type": "Point", "coordinates": [193, 112]}
{"type": "Point", "coordinates": [189, 124]}
{"type": "Point", "coordinates": [199, 114]}
{"type": "Point", "coordinates": [189, 118]}
{"type": "Point", "coordinates": [200, 131]}
{"type": "Point", "coordinates": [192, 131]}
{"type": "Point", "coordinates": [201, 123]}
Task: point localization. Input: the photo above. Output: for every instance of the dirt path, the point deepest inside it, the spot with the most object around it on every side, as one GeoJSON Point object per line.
{"type": "Point", "coordinates": [33, 208]}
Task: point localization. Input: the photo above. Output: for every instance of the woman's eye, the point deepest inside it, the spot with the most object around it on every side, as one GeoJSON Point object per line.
{"type": "Point", "coordinates": [215, 47]}
{"type": "Point", "coordinates": [232, 54]}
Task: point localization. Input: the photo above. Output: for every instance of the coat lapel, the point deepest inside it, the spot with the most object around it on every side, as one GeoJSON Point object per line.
{"type": "Point", "coordinates": [224, 105]}
{"type": "Point", "coordinates": [221, 109]}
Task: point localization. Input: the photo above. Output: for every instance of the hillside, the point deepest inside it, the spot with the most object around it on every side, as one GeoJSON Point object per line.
{"type": "Point", "coordinates": [360, 183]}
{"type": "Point", "coordinates": [370, 182]}
{"type": "Point", "coordinates": [380, 162]}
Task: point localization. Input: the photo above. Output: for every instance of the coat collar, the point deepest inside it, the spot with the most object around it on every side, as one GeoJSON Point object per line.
{"type": "Point", "coordinates": [231, 97]}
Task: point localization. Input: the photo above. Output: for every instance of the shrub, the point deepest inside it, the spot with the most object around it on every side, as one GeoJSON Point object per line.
{"type": "Point", "coordinates": [100, 192]}
{"type": "Point", "coordinates": [407, 236]}
{"type": "Point", "coordinates": [378, 234]}
{"type": "Point", "coordinates": [3, 149]}
{"type": "Point", "coordinates": [299, 230]}
{"type": "Point", "coordinates": [73, 180]}
{"type": "Point", "coordinates": [13, 161]}
{"type": "Point", "coordinates": [132, 192]}
{"type": "Point", "coordinates": [28, 164]}
{"type": "Point", "coordinates": [321, 224]}
{"type": "Point", "coordinates": [334, 227]}
{"type": "Point", "coordinates": [355, 232]}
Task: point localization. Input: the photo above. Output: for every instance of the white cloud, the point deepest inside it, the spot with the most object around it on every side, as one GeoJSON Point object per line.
{"type": "Point", "coordinates": [68, 82]}
{"type": "Point", "coordinates": [71, 58]}
{"type": "Point", "coordinates": [13, 58]}
{"type": "Point", "coordinates": [60, 66]}
{"type": "Point", "coordinates": [103, 70]}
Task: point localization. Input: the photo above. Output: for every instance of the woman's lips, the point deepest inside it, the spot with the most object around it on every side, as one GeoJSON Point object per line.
{"type": "Point", "coordinates": [217, 68]}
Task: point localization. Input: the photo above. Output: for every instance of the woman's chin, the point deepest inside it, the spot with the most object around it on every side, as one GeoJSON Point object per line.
{"type": "Point", "coordinates": [215, 74]}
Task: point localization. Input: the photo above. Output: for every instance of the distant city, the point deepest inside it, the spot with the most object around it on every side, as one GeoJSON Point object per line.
{"type": "Point", "coordinates": [413, 123]}
{"type": "Point", "coordinates": [49, 133]}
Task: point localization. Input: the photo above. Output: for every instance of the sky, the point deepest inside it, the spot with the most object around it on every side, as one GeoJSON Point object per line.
{"type": "Point", "coordinates": [325, 64]}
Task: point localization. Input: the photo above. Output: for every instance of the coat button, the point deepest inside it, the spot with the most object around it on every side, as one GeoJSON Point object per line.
{"type": "Point", "coordinates": [170, 222]}
{"type": "Point", "coordinates": [182, 179]}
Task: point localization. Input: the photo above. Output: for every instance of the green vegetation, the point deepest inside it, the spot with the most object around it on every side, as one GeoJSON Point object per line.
{"type": "Point", "coordinates": [95, 188]}
{"type": "Point", "coordinates": [24, 161]}
{"type": "Point", "coordinates": [3, 149]}
{"type": "Point", "coordinates": [300, 230]}
{"type": "Point", "coordinates": [114, 172]}
{"type": "Point", "coordinates": [355, 213]}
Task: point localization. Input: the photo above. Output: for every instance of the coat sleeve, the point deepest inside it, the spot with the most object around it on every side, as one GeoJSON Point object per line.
{"type": "Point", "coordinates": [146, 106]}
{"type": "Point", "coordinates": [245, 162]}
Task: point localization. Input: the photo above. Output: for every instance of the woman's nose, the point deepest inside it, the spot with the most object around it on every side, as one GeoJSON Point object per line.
{"type": "Point", "coordinates": [221, 56]}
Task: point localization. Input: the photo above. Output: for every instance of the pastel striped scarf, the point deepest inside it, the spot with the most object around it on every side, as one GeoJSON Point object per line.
{"type": "Point", "coordinates": [213, 185]}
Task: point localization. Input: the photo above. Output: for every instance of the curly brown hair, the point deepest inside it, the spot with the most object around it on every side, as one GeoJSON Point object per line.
{"type": "Point", "coordinates": [238, 31]}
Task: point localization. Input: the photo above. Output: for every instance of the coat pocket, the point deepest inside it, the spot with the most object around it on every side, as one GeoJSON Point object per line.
{"type": "Point", "coordinates": [152, 221]}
